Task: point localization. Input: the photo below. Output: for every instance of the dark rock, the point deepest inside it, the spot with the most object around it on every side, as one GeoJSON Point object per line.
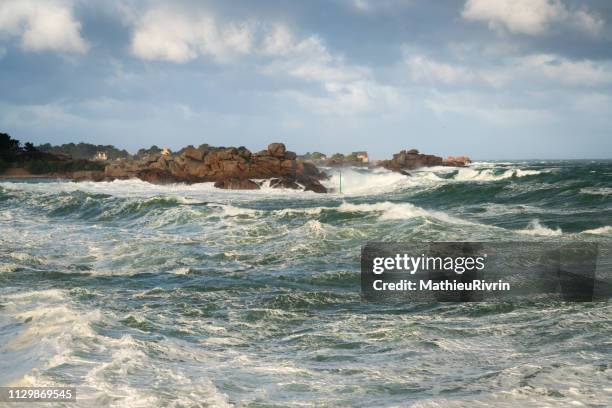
{"type": "Point", "coordinates": [157, 176]}
{"type": "Point", "coordinates": [88, 175]}
{"type": "Point", "coordinates": [237, 184]}
{"type": "Point", "coordinates": [289, 155]}
{"type": "Point", "coordinates": [312, 184]}
{"type": "Point", "coordinates": [284, 182]}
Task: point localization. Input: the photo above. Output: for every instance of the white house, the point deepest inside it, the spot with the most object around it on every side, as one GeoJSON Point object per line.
{"type": "Point", "coordinates": [100, 156]}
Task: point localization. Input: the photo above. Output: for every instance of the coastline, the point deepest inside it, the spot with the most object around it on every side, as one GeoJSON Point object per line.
{"type": "Point", "coordinates": [21, 173]}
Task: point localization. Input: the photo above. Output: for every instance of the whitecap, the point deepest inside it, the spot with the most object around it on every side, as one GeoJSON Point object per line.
{"type": "Point", "coordinates": [398, 211]}
{"type": "Point", "coordinates": [606, 230]}
{"type": "Point", "coordinates": [535, 228]}
{"type": "Point", "coordinates": [469, 174]}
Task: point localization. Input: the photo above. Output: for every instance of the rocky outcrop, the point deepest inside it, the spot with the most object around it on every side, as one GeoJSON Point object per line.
{"type": "Point", "coordinates": [456, 161]}
{"type": "Point", "coordinates": [284, 182]}
{"type": "Point", "coordinates": [237, 184]}
{"type": "Point", "coordinates": [312, 185]}
{"type": "Point", "coordinates": [231, 168]}
{"type": "Point", "coordinates": [277, 149]}
{"type": "Point", "coordinates": [412, 159]}
{"type": "Point", "coordinates": [157, 176]}
{"type": "Point", "coordinates": [305, 183]}
{"type": "Point", "coordinates": [88, 175]}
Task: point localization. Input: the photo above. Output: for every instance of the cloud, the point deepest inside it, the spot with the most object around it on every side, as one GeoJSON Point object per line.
{"type": "Point", "coordinates": [564, 71]}
{"type": "Point", "coordinates": [42, 26]}
{"type": "Point", "coordinates": [272, 48]}
{"type": "Point", "coordinates": [350, 98]}
{"type": "Point", "coordinates": [346, 88]}
{"type": "Point", "coordinates": [379, 6]}
{"type": "Point", "coordinates": [484, 107]}
{"type": "Point", "coordinates": [533, 71]}
{"type": "Point", "coordinates": [307, 59]}
{"type": "Point", "coordinates": [424, 69]}
{"type": "Point", "coordinates": [530, 17]}
{"type": "Point", "coordinates": [171, 35]}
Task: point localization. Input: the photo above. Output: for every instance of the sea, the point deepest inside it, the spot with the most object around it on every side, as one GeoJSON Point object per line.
{"type": "Point", "coordinates": [143, 295]}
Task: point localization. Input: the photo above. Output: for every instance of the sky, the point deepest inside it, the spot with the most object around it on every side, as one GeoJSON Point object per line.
{"type": "Point", "coordinates": [492, 79]}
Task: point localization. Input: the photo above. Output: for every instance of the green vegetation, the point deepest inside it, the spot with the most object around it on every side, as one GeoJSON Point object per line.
{"type": "Point", "coordinates": [8, 145]}
{"type": "Point", "coordinates": [145, 152]}
{"type": "Point", "coordinates": [84, 151]}
{"type": "Point", "coordinates": [13, 154]}
{"type": "Point", "coordinates": [314, 156]}
{"type": "Point", "coordinates": [10, 150]}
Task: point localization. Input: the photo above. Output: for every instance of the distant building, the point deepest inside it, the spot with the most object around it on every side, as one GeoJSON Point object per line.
{"type": "Point", "coordinates": [362, 156]}
{"type": "Point", "coordinates": [166, 152]}
{"type": "Point", "coordinates": [100, 156]}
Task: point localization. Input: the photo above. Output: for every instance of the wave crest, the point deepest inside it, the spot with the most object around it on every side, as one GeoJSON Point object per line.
{"type": "Point", "coordinates": [535, 228]}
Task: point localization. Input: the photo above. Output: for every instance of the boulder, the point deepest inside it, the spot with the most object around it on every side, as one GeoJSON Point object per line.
{"type": "Point", "coordinates": [88, 175]}
{"type": "Point", "coordinates": [411, 159]}
{"type": "Point", "coordinates": [193, 153]}
{"type": "Point", "coordinates": [311, 184]}
{"type": "Point", "coordinates": [264, 167]}
{"type": "Point", "coordinates": [308, 183]}
{"type": "Point", "coordinates": [150, 158]}
{"type": "Point", "coordinates": [195, 168]}
{"type": "Point", "coordinates": [161, 163]}
{"type": "Point", "coordinates": [244, 153]}
{"type": "Point", "coordinates": [309, 169]}
{"type": "Point", "coordinates": [120, 170]}
{"type": "Point", "coordinates": [237, 184]}
{"type": "Point", "coordinates": [456, 161]}
{"type": "Point", "coordinates": [232, 168]}
{"type": "Point", "coordinates": [287, 164]}
{"type": "Point", "coordinates": [226, 154]}
{"type": "Point", "coordinates": [157, 176]}
{"type": "Point", "coordinates": [284, 182]}
{"type": "Point", "coordinates": [277, 149]}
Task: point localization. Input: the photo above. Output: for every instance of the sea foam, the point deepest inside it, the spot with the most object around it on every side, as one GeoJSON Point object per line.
{"type": "Point", "coordinates": [535, 228]}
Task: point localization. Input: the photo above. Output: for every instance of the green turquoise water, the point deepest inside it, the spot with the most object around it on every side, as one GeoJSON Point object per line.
{"type": "Point", "coordinates": [188, 296]}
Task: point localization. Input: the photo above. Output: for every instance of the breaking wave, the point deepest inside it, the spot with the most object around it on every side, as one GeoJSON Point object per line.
{"type": "Point", "coordinates": [185, 295]}
{"type": "Point", "coordinates": [607, 230]}
{"type": "Point", "coordinates": [536, 229]}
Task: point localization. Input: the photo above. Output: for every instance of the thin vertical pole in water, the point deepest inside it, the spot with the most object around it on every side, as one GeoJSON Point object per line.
{"type": "Point", "coordinates": [340, 181]}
